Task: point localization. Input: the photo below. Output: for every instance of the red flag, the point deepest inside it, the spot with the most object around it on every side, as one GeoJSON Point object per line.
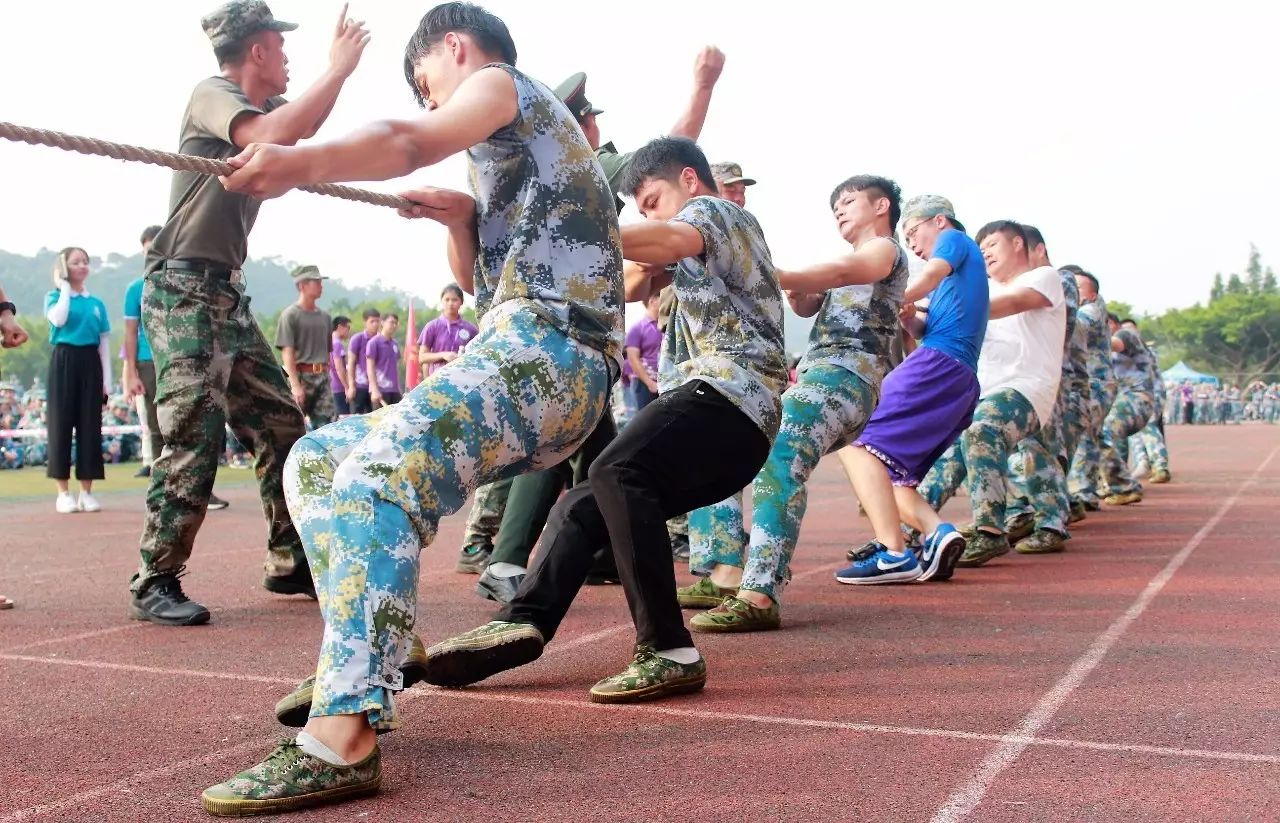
{"type": "Point", "coordinates": [412, 370]}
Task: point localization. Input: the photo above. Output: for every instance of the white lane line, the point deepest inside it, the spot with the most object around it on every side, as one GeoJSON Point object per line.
{"type": "Point", "coordinates": [966, 797]}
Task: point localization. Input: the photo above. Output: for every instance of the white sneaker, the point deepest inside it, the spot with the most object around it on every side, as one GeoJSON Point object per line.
{"type": "Point", "coordinates": [88, 503]}
{"type": "Point", "coordinates": [66, 504]}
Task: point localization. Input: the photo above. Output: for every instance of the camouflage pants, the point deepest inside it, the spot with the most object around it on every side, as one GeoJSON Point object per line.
{"type": "Point", "coordinates": [368, 491]}
{"type": "Point", "coordinates": [826, 410]}
{"type": "Point", "coordinates": [1085, 479]}
{"type": "Point", "coordinates": [486, 513]}
{"type": "Point", "coordinates": [213, 367]}
{"type": "Point", "coordinates": [981, 457]}
{"type": "Point", "coordinates": [1038, 469]}
{"type": "Point", "coordinates": [318, 404]}
{"type": "Point", "coordinates": [1149, 445]}
{"type": "Point", "coordinates": [1128, 415]}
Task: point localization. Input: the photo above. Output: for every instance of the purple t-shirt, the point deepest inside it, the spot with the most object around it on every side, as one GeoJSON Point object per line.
{"type": "Point", "coordinates": [385, 355]}
{"type": "Point", "coordinates": [441, 335]}
{"type": "Point", "coordinates": [358, 341]}
{"type": "Point", "coordinates": [337, 360]}
{"type": "Point", "coordinates": [646, 337]}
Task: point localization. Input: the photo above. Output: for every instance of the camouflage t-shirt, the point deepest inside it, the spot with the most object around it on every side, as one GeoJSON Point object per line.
{"type": "Point", "coordinates": [1133, 363]}
{"type": "Point", "coordinates": [1075, 353]}
{"type": "Point", "coordinates": [727, 325]}
{"type": "Point", "coordinates": [1093, 316]}
{"type": "Point", "coordinates": [548, 229]}
{"type": "Point", "coordinates": [856, 326]}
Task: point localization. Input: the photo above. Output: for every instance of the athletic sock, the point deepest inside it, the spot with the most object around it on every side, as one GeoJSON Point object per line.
{"type": "Point", "coordinates": [686, 655]}
{"type": "Point", "coordinates": [505, 569]}
{"type": "Point", "coordinates": [319, 750]}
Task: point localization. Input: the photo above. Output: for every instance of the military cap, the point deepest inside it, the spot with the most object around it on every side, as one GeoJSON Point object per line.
{"type": "Point", "coordinates": [573, 93]}
{"type": "Point", "coordinates": [930, 205]}
{"type": "Point", "coordinates": [234, 21]}
{"type": "Point", "coordinates": [301, 273]}
{"type": "Point", "coordinates": [726, 173]}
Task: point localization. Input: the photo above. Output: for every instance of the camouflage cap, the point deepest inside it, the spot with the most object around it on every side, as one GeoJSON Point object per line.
{"type": "Point", "coordinates": [930, 205]}
{"type": "Point", "coordinates": [301, 273]}
{"type": "Point", "coordinates": [726, 173]}
{"type": "Point", "coordinates": [573, 93]}
{"type": "Point", "coordinates": [234, 21]}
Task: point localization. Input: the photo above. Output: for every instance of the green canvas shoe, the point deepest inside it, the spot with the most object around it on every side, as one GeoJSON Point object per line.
{"type": "Point", "coordinates": [981, 547]}
{"type": "Point", "coordinates": [1020, 527]}
{"type": "Point", "coordinates": [702, 595]}
{"type": "Point", "coordinates": [650, 677]}
{"type": "Point", "coordinates": [292, 779]}
{"type": "Point", "coordinates": [737, 615]}
{"type": "Point", "coordinates": [1043, 541]}
{"type": "Point", "coordinates": [472, 656]}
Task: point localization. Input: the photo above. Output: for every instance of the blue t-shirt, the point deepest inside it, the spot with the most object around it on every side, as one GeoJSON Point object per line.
{"type": "Point", "coordinates": [86, 321]}
{"type": "Point", "coordinates": [133, 311]}
{"type": "Point", "coordinates": [957, 318]}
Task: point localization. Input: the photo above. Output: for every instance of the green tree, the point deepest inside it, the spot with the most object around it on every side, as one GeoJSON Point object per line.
{"type": "Point", "coordinates": [1236, 286]}
{"type": "Point", "coordinates": [1238, 335]}
{"type": "Point", "coordinates": [1253, 271]}
{"type": "Point", "coordinates": [1218, 289]}
{"type": "Point", "coordinates": [1269, 282]}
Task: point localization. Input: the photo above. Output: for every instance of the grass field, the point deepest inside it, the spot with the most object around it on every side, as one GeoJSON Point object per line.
{"type": "Point", "coordinates": [30, 483]}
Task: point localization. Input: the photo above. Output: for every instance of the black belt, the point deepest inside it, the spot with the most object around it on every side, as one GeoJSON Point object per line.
{"type": "Point", "coordinates": [218, 270]}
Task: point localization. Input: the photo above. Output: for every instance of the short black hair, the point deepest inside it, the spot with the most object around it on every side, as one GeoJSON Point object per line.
{"type": "Point", "coordinates": [1128, 320]}
{"type": "Point", "coordinates": [664, 158]}
{"type": "Point", "coordinates": [882, 185]}
{"type": "Point", "coordinates": [390, 315]}
{"type": "Point", "coordinates": [231, 54]}
{"type": "Point", "coordinates": [340, 321]}
{"type": "Point", "coordinates": [1034, 237]}
{"type": "Point", "coordinates": [372, 312]}
{"type": "Point", "coordinates": [487, 28]}
{"type": "Point", "coordinates": [1071, 267]}
{"type": "Point", "coordinates": [148, 234]}
{"type": "Point", "coordinates": [1009, 228]}
{"type": "Point", "coordinates": [454, 289]}
{"type": "Point", "coordinates": [1087, 276]}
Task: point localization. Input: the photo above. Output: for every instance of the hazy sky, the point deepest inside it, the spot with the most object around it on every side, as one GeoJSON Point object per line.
{"type": "Point", "coordinates": [1141, 139]}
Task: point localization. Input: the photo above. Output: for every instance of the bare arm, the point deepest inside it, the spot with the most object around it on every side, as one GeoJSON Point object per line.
{"type": "Point", "coordinates": [339, 369]}
{"type": "Point", "coordinates": [637, 366]}
{"type": "Point", "coordinates": [302, 118]}
{"type": "Point", "coordinates": [706, 71]}
{"type": "Point", "coordinates": [374, 393]}
{"type": "Point", "coordinates": [641, 280]}
{"type": "Point", "coordinates": [351, 371]}
{"type": "Point", "coordinates": [912, 320]}
{"type": "Point", "coordinates": [805, 304]}
{"type": "Point", "coordinates": [930, 276]}
{"type": "Point", "coordinates": [869, 264]}
{"type": "Point", "coordinates": [1117, 345]}
{"type": "Point", "coordinates": [1017, 301]}
{"type": "Point", "coordinates": [482, 104]}
{"type": "Point", "coordinates": [132, 383]}
{"type": "Point", "coordinates": [660, 243]}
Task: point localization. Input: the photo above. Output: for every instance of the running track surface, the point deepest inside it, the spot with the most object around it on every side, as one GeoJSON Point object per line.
{"type": "Point", "coordinates": [1131, 678]}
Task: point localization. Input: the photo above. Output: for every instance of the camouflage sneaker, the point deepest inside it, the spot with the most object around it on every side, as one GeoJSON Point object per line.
{"type": "Point", "coordinates": [295, 707]}
{"type": "Point", "coordinates": [982, 547]}
{"type": "Point", "coordinates": [1123, 498]}
{"type": "Point", "coordinates": [650, 677]}
{"type": "Point", "coordinates": [737, 615]}
{"type": "Point", "coordinates": [1077, 513]}
{"type": "Point", "coordinates": [1020, 527]}
{"type": "Point", "coordinates": [292, 779]}
{"type": "Point", "coordinates": [1041, 541]}
{"type": "Point", "coordinates": [1160, 476]}
{"type": "Point", "coordinates": [472, 656]}
{"type": "Point", "coordinates": [474, 559]}
{"type": "Point", "coordinates": [703, 595]}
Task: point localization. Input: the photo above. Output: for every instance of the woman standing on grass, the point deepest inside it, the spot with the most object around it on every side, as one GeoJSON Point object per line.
{"type": "Point", "coordinates": [79, 379]}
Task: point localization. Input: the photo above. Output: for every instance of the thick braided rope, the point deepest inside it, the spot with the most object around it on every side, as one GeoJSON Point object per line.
{"type": "Point", "coordinates": [177, 162]}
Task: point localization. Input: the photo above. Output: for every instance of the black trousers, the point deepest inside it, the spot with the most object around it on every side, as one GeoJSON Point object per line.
{"type": "Point", "coordinates": [687, 449]}
{"type": "Point", "coordinates": [340, 401]}
{"type": "Point", "coordinates": [75, 402]}
{"type": "Point", "coordinates": [363, 404]}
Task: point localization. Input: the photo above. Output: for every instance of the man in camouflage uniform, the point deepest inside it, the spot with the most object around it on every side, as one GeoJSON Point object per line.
{"type": "Point", "coordinates": [522, 505]}
{"type": "Point", "coordinates": [1015, 397]}
{"type": "Point", "coordinates": [304, 337]}
{"type": "Point", "coordinates": [1148, 446]}
{"type": "Point", "coordinates": [1133, 407]}
{"type": "Point", "coordinates": [213, 364]}
{"type": "Point", "coordinates": [1085, 479]}
{"type": "Point", "coordinates": [1039, 507]}
{"type": "Point", "coordinates": [856, 300]}
{"type": "Point", "coordinates": [368, 491]}
{"type": "Point", "coordinates": [706, 435]}
{"type": "Point", "coordinates": [731, 184]}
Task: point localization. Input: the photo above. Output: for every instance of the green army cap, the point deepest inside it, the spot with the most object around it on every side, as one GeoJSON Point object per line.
{"type": "Point", "coordinates": [573, 93]}
{"type": "Point", "coordinates": [234, 21]}
{"type": "Point", "coordinates": [301, 273]}
{"type": "Point", "coordinates": [726, 173]}
{"type": "Point", "coordinates": [930, 205]}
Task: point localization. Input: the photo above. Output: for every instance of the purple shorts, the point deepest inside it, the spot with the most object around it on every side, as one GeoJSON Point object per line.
{"type": "Point", "coordinates": [925, 403]}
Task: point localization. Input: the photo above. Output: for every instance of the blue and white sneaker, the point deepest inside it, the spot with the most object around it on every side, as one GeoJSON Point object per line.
{"type": "Point", "coordinates": [881, 567]}
{"type": "Point", "coordinates": [941, 551]}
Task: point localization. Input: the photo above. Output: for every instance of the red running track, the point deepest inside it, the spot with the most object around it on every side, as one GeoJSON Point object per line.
{"type": "Point", "coordinates": [1131, 678]}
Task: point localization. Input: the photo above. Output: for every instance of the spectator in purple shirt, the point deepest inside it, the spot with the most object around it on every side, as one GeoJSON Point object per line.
{"type": "Point", "coordinates": [444, 338]}
{"type": "Point", "coordinates": [382, 362]}
{"type": "Point", "coordinates": [338, 364]}
{"type": "Point", "coordinates": [357, 374]}
{"type": "Point", "coordinates": [644, 340]}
